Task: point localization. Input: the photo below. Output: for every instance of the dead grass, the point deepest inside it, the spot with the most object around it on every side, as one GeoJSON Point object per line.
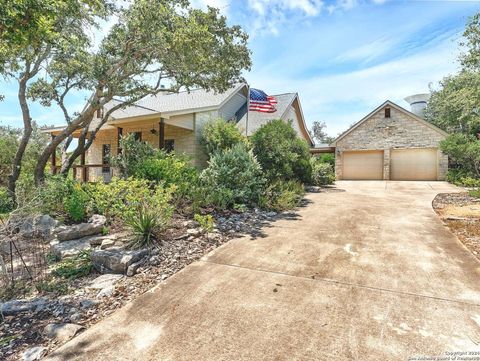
{"type": "Point", "coordinates": [468, 211]}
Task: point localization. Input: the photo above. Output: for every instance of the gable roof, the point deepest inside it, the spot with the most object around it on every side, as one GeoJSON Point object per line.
{"type": "Point", "coordinates": [395, 106]}
{"type": "Point", "coordinates": [284, 101]}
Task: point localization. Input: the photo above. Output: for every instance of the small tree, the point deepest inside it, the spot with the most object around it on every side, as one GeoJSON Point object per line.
{"type": "Point", "coordinates": [319, 133]}
{"type": "Point", "coordinates": [233, 177]}
{"type": "Point", "coordinates": [133, 153]}
{"type": "Point", "coordinates": [464, 150]}
{"type": "Point", "coordinates": [219, 135]}
{"type": "Point", "coordinates": [281, 153]}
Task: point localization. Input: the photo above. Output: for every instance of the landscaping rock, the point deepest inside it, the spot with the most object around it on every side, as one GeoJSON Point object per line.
{"type": "Point", "coordinates": [106, 292]}
{"type": "Point", "coordinates": [69, 248]}
{"type": "Point", "coordinates": [87, 303]}
{"type": "Point", "coordinates": [116, 260]}
{"type": "Point", "coordinates": [94, 226]}
{"type": "Point", "coordinates": [107, 243]}
{"type": "Point", "coordinates": [11, 308]}
{"type": "Point", "coordinates": [61, 331]}
{"type": "Point", "coordinates": [194, 232]}
{"type": "Point", "coordinates": [104, 281]}
{"type": "Point", "coordinates": [34, 353]}
{"type": "Point", "coordinates": [36, 226]}
{"type": "Point", "coordinates": [132, 269]}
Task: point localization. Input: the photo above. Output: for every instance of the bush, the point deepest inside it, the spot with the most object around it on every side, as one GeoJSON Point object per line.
{"type": "Point", "coordinates": [475, 193]}
{"type": "Point", "coordinates": [464, 151]}
{"type": "Point", "coordinates": [121, 198]}
{"type": "Point", "coordinates": [282, 195]}
{"type": "Point", "coordinates": [133, 153]}
{"type": "Point", "coordinates": [322, 173]}
{"type": "Point", "coordinates": [328, 158]}
{"type": "Point", "coordinates": [5, 201]}
{"type": "Point", "coordinates": [75, 203]}
{"type": "Point", "coordinates": [169, 169]}
{"type": "Point", "coordinates": [219, 135]}
{"type": "Point", "coordinates": [233, 177]}
{"type": "Point", "coordinates": [281, 153]}
{"type": "Point", "coordinates": [144, 224]}
{"type": "Point", "coordinates": [462, 178]}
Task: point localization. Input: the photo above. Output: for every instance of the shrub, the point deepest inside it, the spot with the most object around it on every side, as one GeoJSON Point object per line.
{"type": "Point", "coordinates": [144, 224]}
{"type": "Point", "coordinates": [328, 158]}
{"type": "Point", "coordinates": [462, 178]}
{"type": "Point", "coordinates": [206, 222]}
{"type": "Point", "coordinates": [5, 201]}
{"type": "Point", "coordinates": [475, 193]}
{"type": "Point", "coordinates": [219, 135]}
{"type": "Point", "coordinates": [282, 195]}
{"type": "Point", "coordinates": [121, 198]}
{"type": "Point", "coordinates": [133, 153]}
{"type": "Point", "coordinates": [169, 169]}
{"type": "Point", "coordinates": [233, 177]}
{"type": "Point", "coordinates": [464, 151]}
{"type": "Point", "coordinates": [75, 203]}
{"type": "Point", "coordinates": [281, 153]}
{"type": "Point", "coordinates": [322, 173]}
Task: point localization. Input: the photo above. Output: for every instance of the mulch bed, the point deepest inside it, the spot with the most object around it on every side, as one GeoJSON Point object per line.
{"type": "Point", "coordinates": [466, 228]}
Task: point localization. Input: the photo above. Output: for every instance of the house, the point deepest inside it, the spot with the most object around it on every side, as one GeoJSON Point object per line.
{"type": "Point", "coordinates": [174, 122]}
{"type": "Point", "coordinates": [392, 143]}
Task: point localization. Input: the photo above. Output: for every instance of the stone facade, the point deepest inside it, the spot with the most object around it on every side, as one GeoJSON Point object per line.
{"type": "Point", "coordinates": [402, 130]}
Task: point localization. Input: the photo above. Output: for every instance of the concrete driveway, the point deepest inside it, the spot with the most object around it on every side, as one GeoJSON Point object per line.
{"type": "Point", "coordinates": [365, 271]}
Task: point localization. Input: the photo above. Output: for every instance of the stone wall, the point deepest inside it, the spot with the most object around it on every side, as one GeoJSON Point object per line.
{"type": "Point", "coordinates": [401, 130]}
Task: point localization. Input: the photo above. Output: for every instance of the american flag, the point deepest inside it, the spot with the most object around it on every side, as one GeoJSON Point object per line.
{"type": "Point", "coordinates": [261, 102]}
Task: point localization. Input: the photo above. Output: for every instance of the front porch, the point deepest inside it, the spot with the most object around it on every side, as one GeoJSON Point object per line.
{"type": "Point", "coordinates": [173, 135]}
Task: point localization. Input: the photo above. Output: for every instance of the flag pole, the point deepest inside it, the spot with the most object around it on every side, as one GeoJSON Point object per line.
{"type": "Point", "coordinates": [248, 108]}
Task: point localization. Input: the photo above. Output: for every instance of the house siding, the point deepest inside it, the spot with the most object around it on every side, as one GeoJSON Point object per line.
{"type": "Point", "coordinates": [228, 110]}
{"type": "Point", "coordinates": [400, 131]}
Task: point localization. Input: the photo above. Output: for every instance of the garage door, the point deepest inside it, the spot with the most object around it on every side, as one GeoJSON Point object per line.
{"type": "Point", "coordinates": [363, 165]}
{"type": "Point", "coordinates": [413, 164]}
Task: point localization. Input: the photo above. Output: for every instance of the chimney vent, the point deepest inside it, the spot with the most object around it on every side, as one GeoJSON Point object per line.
{"type": "Point", "coordinates": [418, 103]}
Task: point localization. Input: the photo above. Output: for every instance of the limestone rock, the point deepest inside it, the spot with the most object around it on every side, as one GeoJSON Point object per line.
{"type": "Point", "coordinates": [69, 248]}
{"type": "Point", "coordinates": [13, 307]}
{"type": "Point", "coordinates": [104, 281]}
{"type": "Point", "coordinates": [34, 353]}
{"type": "Point", "coordinates": [61, 331]}
{"type": "Point", "coordinates": [94, 226]}
{"type": "Point", "coordinates": [116, 260]}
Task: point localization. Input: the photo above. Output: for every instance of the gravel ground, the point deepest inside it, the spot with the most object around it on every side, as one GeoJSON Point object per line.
{"type": "Point", "coordinates": [466, 228]}
{"type": "Point", "coordinates": [84, 306]}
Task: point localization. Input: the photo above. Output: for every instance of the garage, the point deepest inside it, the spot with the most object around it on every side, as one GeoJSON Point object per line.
{"type": "Point", "coordinates": [363, 165]}
{"type": "Point", "coordinates": [413, 164]}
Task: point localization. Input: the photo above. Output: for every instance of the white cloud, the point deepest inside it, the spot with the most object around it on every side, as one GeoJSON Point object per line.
{"type": "Point", "coordinates": [368, 51]}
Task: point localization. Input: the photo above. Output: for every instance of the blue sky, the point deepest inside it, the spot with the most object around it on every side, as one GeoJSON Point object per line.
{"type": "Point", "coordinates": [343, 57]}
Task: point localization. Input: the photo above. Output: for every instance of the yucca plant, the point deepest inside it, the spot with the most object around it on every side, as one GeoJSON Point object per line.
{"type": "Point", "coordinates": [144, 223]}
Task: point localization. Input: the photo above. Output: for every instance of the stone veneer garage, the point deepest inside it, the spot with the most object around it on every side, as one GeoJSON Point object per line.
{"type": "Point", "coordinates": [391, 143]}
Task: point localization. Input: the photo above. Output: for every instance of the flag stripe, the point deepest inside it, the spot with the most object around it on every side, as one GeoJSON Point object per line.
{"type": "Point", "coordinates": [261, 102]}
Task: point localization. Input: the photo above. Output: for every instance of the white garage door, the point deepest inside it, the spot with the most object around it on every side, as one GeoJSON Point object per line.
{"type": "Point", "coordinates": [413, 164]}
{"type": "Point", "coordinates": [363, 165]}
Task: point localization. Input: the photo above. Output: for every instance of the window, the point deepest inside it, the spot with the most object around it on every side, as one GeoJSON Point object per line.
{"type": "Point", "coordinates": [387, 112]}
{"type": "Point", "coordinates": [137, 136]}
{"type": "Point", "coordinates": [106, 158]}
{"type": "Point", "coordinates": [169, 145]}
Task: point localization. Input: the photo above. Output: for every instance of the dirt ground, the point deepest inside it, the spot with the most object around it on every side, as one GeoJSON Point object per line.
{"type": "Point", "coordinates": [461, 213]}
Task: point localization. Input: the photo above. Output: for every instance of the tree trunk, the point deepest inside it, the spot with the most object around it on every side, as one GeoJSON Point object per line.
{"type": "Point", "coordinates": [83, 119]}
{"type": "Point", "coordinates": [27, 131]}
{"type": "Point", "coordinates": [75, 154]}
{"type": "Point", "coordinates": [65, 149]}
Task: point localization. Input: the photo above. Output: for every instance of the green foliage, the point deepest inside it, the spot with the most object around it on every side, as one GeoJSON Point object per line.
{"type": "Point", "coordinates": [326, 158]}
{"type": "Point", "coordinates": [462, 178]}
{"type": "Point", "coordinates": [464, 151]}
{"type": "Point", "coordinates": [205, 222]}
{"type": "Point", "coordinates": [233, 177]}
{"type": "Point", "coordinates": [455, 106]}
{"type": "Point", "coordinates": [133, 153]}
{"type": "Point", "coordinates": [219, 135]}
{"type": "Point", "coordinates": [121, 198]}
{"type": "Point", "coordinates": [170, 170]}
{"type": "Point", "coordinates": [475, 193]}
{"type": "Point", "coordinates": [5, 201]}
{"type": "Point", "coordinates": [282, 195]}
{"type": "Point", "coordinates": [470, 57]}
{"type": "Point", "coordinates": [75, 203]}
{"type": "Point", "coordinates": [281, 153]}
{"type": "Point", "coordinates": [322, 173]}
{"type": "Point", "coordinates": [75, 267]}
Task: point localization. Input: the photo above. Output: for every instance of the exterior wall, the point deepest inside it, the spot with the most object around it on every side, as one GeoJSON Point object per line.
{"type": "Point", "coordinates": [399, 131]}
{"type": "Point", "coordinates": [201, 119]}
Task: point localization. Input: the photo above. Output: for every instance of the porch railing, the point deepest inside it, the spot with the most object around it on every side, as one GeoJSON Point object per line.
{"type": "Point", "coordinates": [83, 169]}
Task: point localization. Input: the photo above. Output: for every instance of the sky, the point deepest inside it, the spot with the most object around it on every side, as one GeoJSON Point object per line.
{"type": "Point", "coordinates": [343, 57]}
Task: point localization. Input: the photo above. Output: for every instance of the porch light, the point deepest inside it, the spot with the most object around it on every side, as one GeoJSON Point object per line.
{"type": "Point", "coordinates": [153, 130]}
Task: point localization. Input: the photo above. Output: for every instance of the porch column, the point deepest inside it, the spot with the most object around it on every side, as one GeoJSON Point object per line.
{"type": "Point", "coordinates": [53, 159]}
{"type": "Point", "coordinates": [84, 168]}
{"type": "Point", "coordinates": [119, 135]}
{"type": "Point", "coordinates": [161, 134]}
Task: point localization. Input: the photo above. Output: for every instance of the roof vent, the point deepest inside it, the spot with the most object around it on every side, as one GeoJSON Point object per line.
{"type": "Point", "coordinates": [418, 103]}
